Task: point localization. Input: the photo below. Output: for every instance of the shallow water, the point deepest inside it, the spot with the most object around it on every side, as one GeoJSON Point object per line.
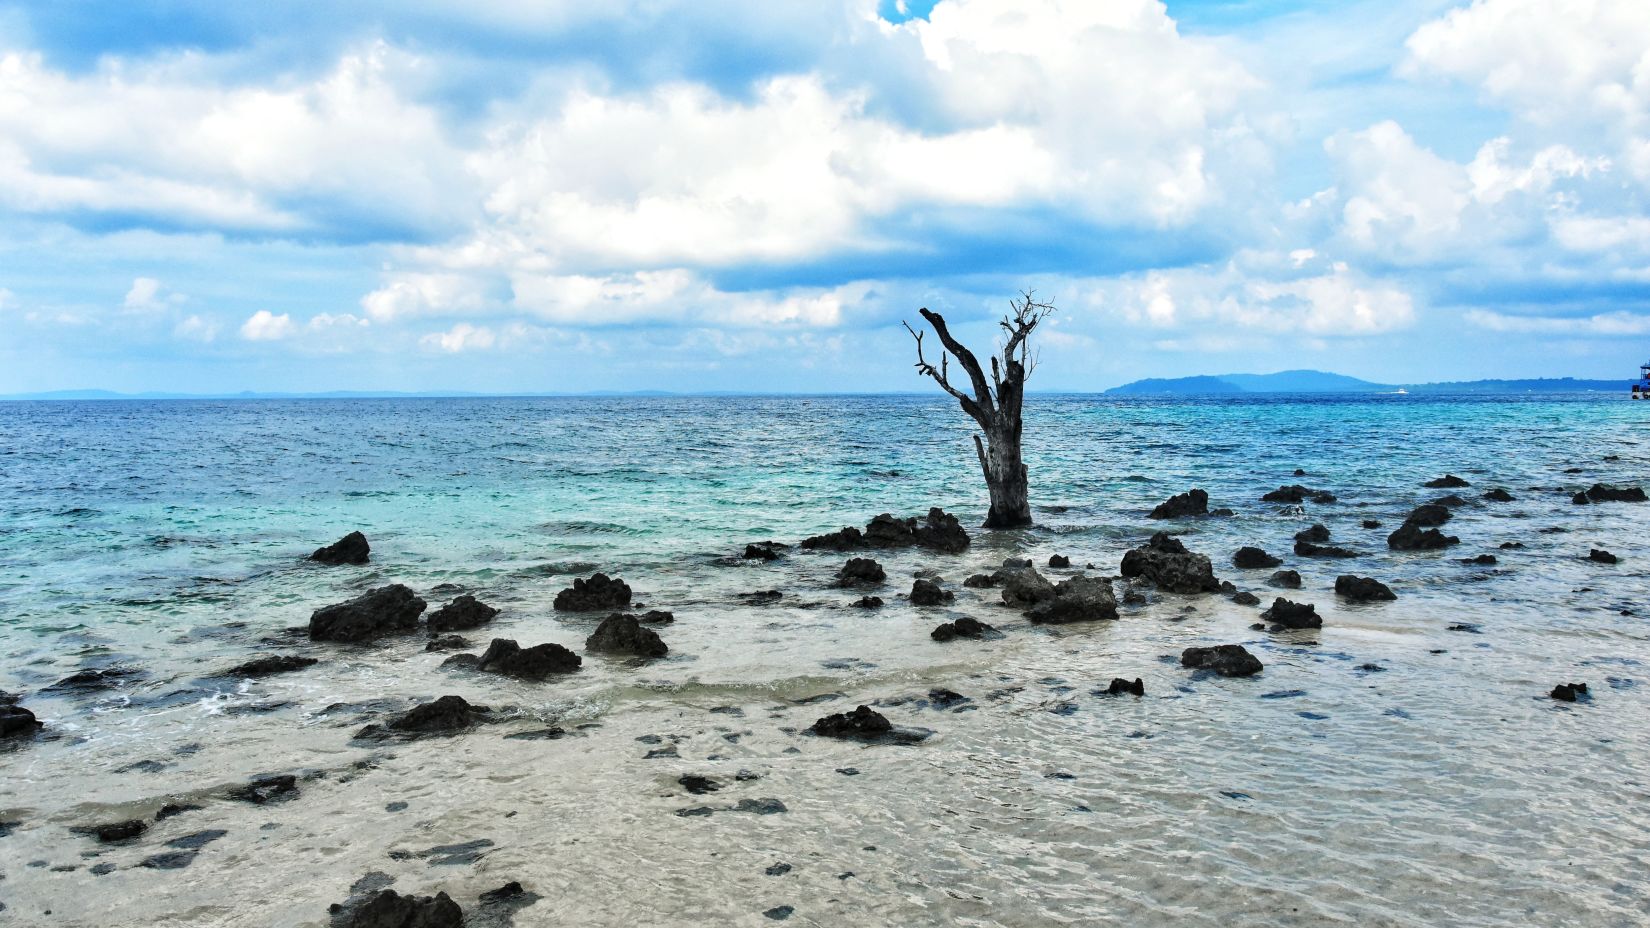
{"type": "Point", "coordinates": [1443, 789]}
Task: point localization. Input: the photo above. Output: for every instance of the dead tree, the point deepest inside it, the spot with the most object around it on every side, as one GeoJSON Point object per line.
{"type": "Point", "coordinates": [995, 403]}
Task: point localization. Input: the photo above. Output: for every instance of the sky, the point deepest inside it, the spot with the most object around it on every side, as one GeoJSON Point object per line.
{"type": "Point", "coordinates": [708, 195]}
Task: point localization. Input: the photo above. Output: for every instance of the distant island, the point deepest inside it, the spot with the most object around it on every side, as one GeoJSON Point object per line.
{"type": "Point", "coordinates": [1307, 381]}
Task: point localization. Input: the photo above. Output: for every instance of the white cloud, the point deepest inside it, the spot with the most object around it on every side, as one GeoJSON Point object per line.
{"type": "Point", "coordinates": [264, 326]}
{"type": "Point", "coordinates": [197, 328]}
{"type": "Point", "coordinates": [1602, 325]}
{"type": "Point", "coordinates": [461, 337]}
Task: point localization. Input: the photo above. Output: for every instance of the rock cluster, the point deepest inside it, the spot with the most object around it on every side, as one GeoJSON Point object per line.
{"type": "Point", "coordinates": [504, 656]}
{"type": "Point", "coordinates": [963, 628]}
{"type": "Point", "coordinates": [937, 531]}
{"type": "Point", "coordinates": [599, 593]}
{"type": "Point", "coordinates": [1295, 493]}
{"type": "Point", "coordinates": [1604, 493]}
{"type": "Point", "coordinates": [1079, 599]}
{"type": "Point", "coordinates": [1419, 532]}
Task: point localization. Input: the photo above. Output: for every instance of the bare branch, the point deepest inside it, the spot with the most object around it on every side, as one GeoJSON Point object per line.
{"type": "Point", "coordinates": [982, 390]}
{"type": "Point", "coordinates": [940, 375]}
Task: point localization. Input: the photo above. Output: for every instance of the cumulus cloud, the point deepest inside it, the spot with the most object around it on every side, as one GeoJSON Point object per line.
{"type": "Point", "coordinates": [461, 337]}
{"type": "Point", "coordinates": [1602, 325]}
{"type": "Point", "coordinates": [265, 326]}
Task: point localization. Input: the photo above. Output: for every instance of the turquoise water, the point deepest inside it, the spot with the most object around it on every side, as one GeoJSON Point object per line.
{"type": "Point", "coordinates": [1445, 788]}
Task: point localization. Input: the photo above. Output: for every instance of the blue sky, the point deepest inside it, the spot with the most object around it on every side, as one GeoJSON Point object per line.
{"type": "Point", "coordinates": [644, 194]}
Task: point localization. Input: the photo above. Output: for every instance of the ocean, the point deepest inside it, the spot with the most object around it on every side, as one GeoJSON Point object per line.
{"type": "Point", "coordinates": [1403, 765]}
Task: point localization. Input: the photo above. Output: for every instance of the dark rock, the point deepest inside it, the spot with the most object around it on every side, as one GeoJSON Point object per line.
{"type": "Point", "coordinates": [447, 643]}
{"type": "Point", "coordinates": [1499, 495]}
{"type": "Point", "coordinates": [16, 720]}
{"type": "Point", "coordinates": [390, 909]}
{"type": "Point", "coordinates": [1604, 493]}
{"type": "Point", "coordinates": [1429, 515]}
{"type": "Point", "coordinates": [171, 860]}
{"type": "Point", "coordinates": [1448, 481]}
{"type": "Point", "coordinates": [1024, 587]}
{"type": "Point", "coordinates": [1364, 589]}
{"type": "Point", "coordinates": [263, 790]}
{"type": "Point", "coordinates": [1511, 545]}
{"type": "Point", "coordinates": [1292, 614]}
{"type": "Point", "coordinates": [265, 666]}
{"type": "Point", "coordinates": [1317, 534]}
{"type": "Point", "coordinates": [622, 634]}
{"type": "Point", "coordinates": [1288, 579]}
{"type": "Point", "coordinates": [762, 551]}
{"type": "Point", "coordinates": [1569, 692]}
{"type": "Point", "coordinates": [760, 806]}
{"type": "Point", "coordinates": [928, 593]}
{"type": "Point", "coordinates": [1249, 557]}
{"type": "Point", "coordinates": [868, 602]}
{"type": "Point", "coordinates": [1371, 523]}
{"type": "Point", "coordinates": [1122, 687]}
{"type": "Point", "coordinates": [1059, 560]}
{"type": "Point", "coordinates": [779, 912]}
{"type": "Point", "coordinates": [1482, 560]}
{"type": "Point", "coordinates": [1411, 537]}
{"type": "Point", "coordinates": [863, 722]}
{"type": "Point", "coordinates": [860, 571]}
{"type": "Point", "coordinates": [937, 531]}
{"type": "Point", "coordinates": [962, 628]}
{"type": "Point", "coordinates": [1227, 660]}
{"type": "Point", "coordinates": [1599, 556]}
{"type": "Point", "coordinates": [1295, 493]}
{"type": "Point", "coordinates": [384, 611]}
{"type": "Point", "coordinates": [980, 581]}
{"type": "Point", "coordinates": [762, 597]}
{"type": "Point", "coordinates": [1166, 562]}
{"type": "Point", "coordinates": [1580, 499]}
{"type": "Point", "coordinates": [116, 832]}
{"type": "Point", "coordinates": [196, 841]}
{"type": "Point", "coordinates": [1245, 598]}
{"type": "Point", "coordinates": [446, 714]}
{"type": "Point", "coordinates": [1300, 472]}
{"type": "Point", "coordinates": [1451, 501]}
{"type": "Point", "coordinates": [778, 870]}
{"type": "Point", "coordinates": [657, 617]}
{"type": "Point", "coordinates": [1078, 599]}
{"type": "Point", "coordinates": [463, 613]}
{"type": "Point", "coordinates": [600, 592]}
{"type": "Point", "coordinates": [1192, 503]}
{"type": "Point", "coordinates": [698, 785]}
{"type": "Point", "coordinates": [1308, 549]}
{"type": "Point", "coordinates": [93, 680]}
{"type": "Point", "coordinates": [174, 808]}
{"type": "Point", "coordinates": [350, 549]}
{"type": "Point", "coordinates": [505, 656]}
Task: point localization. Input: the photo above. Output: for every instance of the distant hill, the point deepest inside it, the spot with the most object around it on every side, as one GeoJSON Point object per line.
{"type": "Point", "coordinates": [1324, 382]}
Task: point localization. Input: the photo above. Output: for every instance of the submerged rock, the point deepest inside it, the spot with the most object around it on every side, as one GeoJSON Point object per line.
{"type": "Point", "coordinates": [1600, 556]}
{"type": "Point", "coordinates": [1371, 523]}
{"type": "Point", "coordinates": [1292, 614]}
{"type": "Point", "coordinates": [868, 602]}
{"type": "Point", "coordinates": [266, 789]}
{"type": "Point", "coordinates": [1288, 579]}
{"type": "Point", "coordinates": [963, 628]}
{"type": "Point", "coordinates": [1498, 495]}
{"type": "Point", "coordinates": [928, 593]}
{"type": "Point", "coordinates": [266, 666]}
{"type": "Point", "coordinates": [600, 592]}
{"type": "Point", "coordinates": [863, 722]}
{"type": "Point", "coordinates": [350, 549]}
{"type": "Point", "coordinates": [937, 531]}
{"type": "Point", "coordinates": [1604, 493]}
{"type": "Point", "coordinates": [622, 634]}
{"type": "Point", "coordinates": [1165, 562]}
{"type": "Point", "coordinates": [463, 613]}
{"type": "Point", "coordinates": [1295, 493]}
{"type": "Point", "coordinates": [860, 571]}
{"type": "Point", "coordinates": [1078, 599]}
{"type": "Point", "coordinates": [1569, 692]}
{"type": "Point", "coordinates": [1448, 481]}
{"type": "Point", "coordinates": [116, 832]}
{"type": "Point", "coordinates": [390, 909]}
{"type": "Point", "coordinates": [1249, 557]}
{"type": "Point", "coordinates": [1308, 549]}
{"type": "Point", "coordinates": [93, 679]}
{"type": "Point", "coordinates": [1482, 560]}
{"type": "Point", "coordinates": [1122, 687]}
{"type": "Point", "coordinates": [1227, 660]}
{"type": "Point", "coordinates": [1452, 501]}
{"type": "Point", "coordinates": [1363, 589]}
{"type": "Point", "coordinates": [505, 656]}
{"type": "Point", "coordinates": [763, 551]}
{"type": "Point", "coordinates": [1194, 502]}
{"type": "Point", "coordinates": [386, 610]}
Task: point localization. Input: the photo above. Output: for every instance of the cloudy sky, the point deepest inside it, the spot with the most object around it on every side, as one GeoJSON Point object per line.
{"type": "Point", "coordinates": [715, 195]}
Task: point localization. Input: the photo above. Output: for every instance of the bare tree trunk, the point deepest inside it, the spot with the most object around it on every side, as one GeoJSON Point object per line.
{"type": "Point", "coordinates": [995, 405]}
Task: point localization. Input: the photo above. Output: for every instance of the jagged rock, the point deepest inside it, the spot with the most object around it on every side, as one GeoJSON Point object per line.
{"type": "Point", "coordinates": [863, 722]}
{"type": "Point", "coordinates": [350, 549]}
{"type": "Point", "coordinates": [1499, 495]}
{"type": "Point", "coordinates": [763, 551]}
{"type": "Point", "coordinates": [1122, 687]}
{"type": "Point", "coordinates": [16, 720]}
{"type": "Point", "coordinates": [504, 656]}
{"type": "Point", "coordinates": [463, 613]}
{"type": "Point", "coordinates": [1411, 537]}
{"type": "Point", "coordinates": [1288, 579]}
{"type": "Point", "coordinates": [868, 602]}
{"type": "Point", "coordinates": [390, 909]}
{"type": "Point", "coordinates": [928, 593]}
{"type": "Point", "coordinates": [1308, 549]}
{"type": "Point", "coordinates": [598, 593]}
{"type": "Point", "coordinates": [1191, 503]}
{"type": "Point", "coordinates": [937, 531]}
{"type": "Point", "coordinates": [386, 610]}
{"type": "Point", "coordinates": [860, 571]}
{"type": "Point", "coordinates": [1295, 493]}
{"type": "Point", "coordinates": [1227, 660]}
{"type": "Point", "coordinates": [962, 628]}
{"type": "Point", "coordinates": [446, 714]}
{"type": "Point", "coordinates": [1600, 556]}
{"type": "Point", "coordinates": [1245, 598]}
{"type": "Point", "coordinates": [1448, 481]}
{"type": "Point", "coordinates": [1059, 560]}
{"type": "Point", "coordinates": [447, 643]}
{"type": "Point", "coordinates": [1604, 493]}
{"type": "Point", "coordinates": [265, 666]}
{"type": "Point", "coordinates": [1569, 692]}
{"type": "Point", "coordinates": [1292, 614]}
{"type": "Point", "coordinates": [1025, 587]}
{"type": "Point", "coordinates": [1362, 588]}
{"type": "Point", "coordinates": [1165, 562]}
{"type": "Point", "coordinates": [622, 634]}
{"type": "Point", "coordinates": [1249, 557]}
{"type": "Point", "coordinates": [980, 581]}
{"type": "Point", "coordinates": [1317, 534]}
{"type": "Point", "coordinates": [1079, 599]}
